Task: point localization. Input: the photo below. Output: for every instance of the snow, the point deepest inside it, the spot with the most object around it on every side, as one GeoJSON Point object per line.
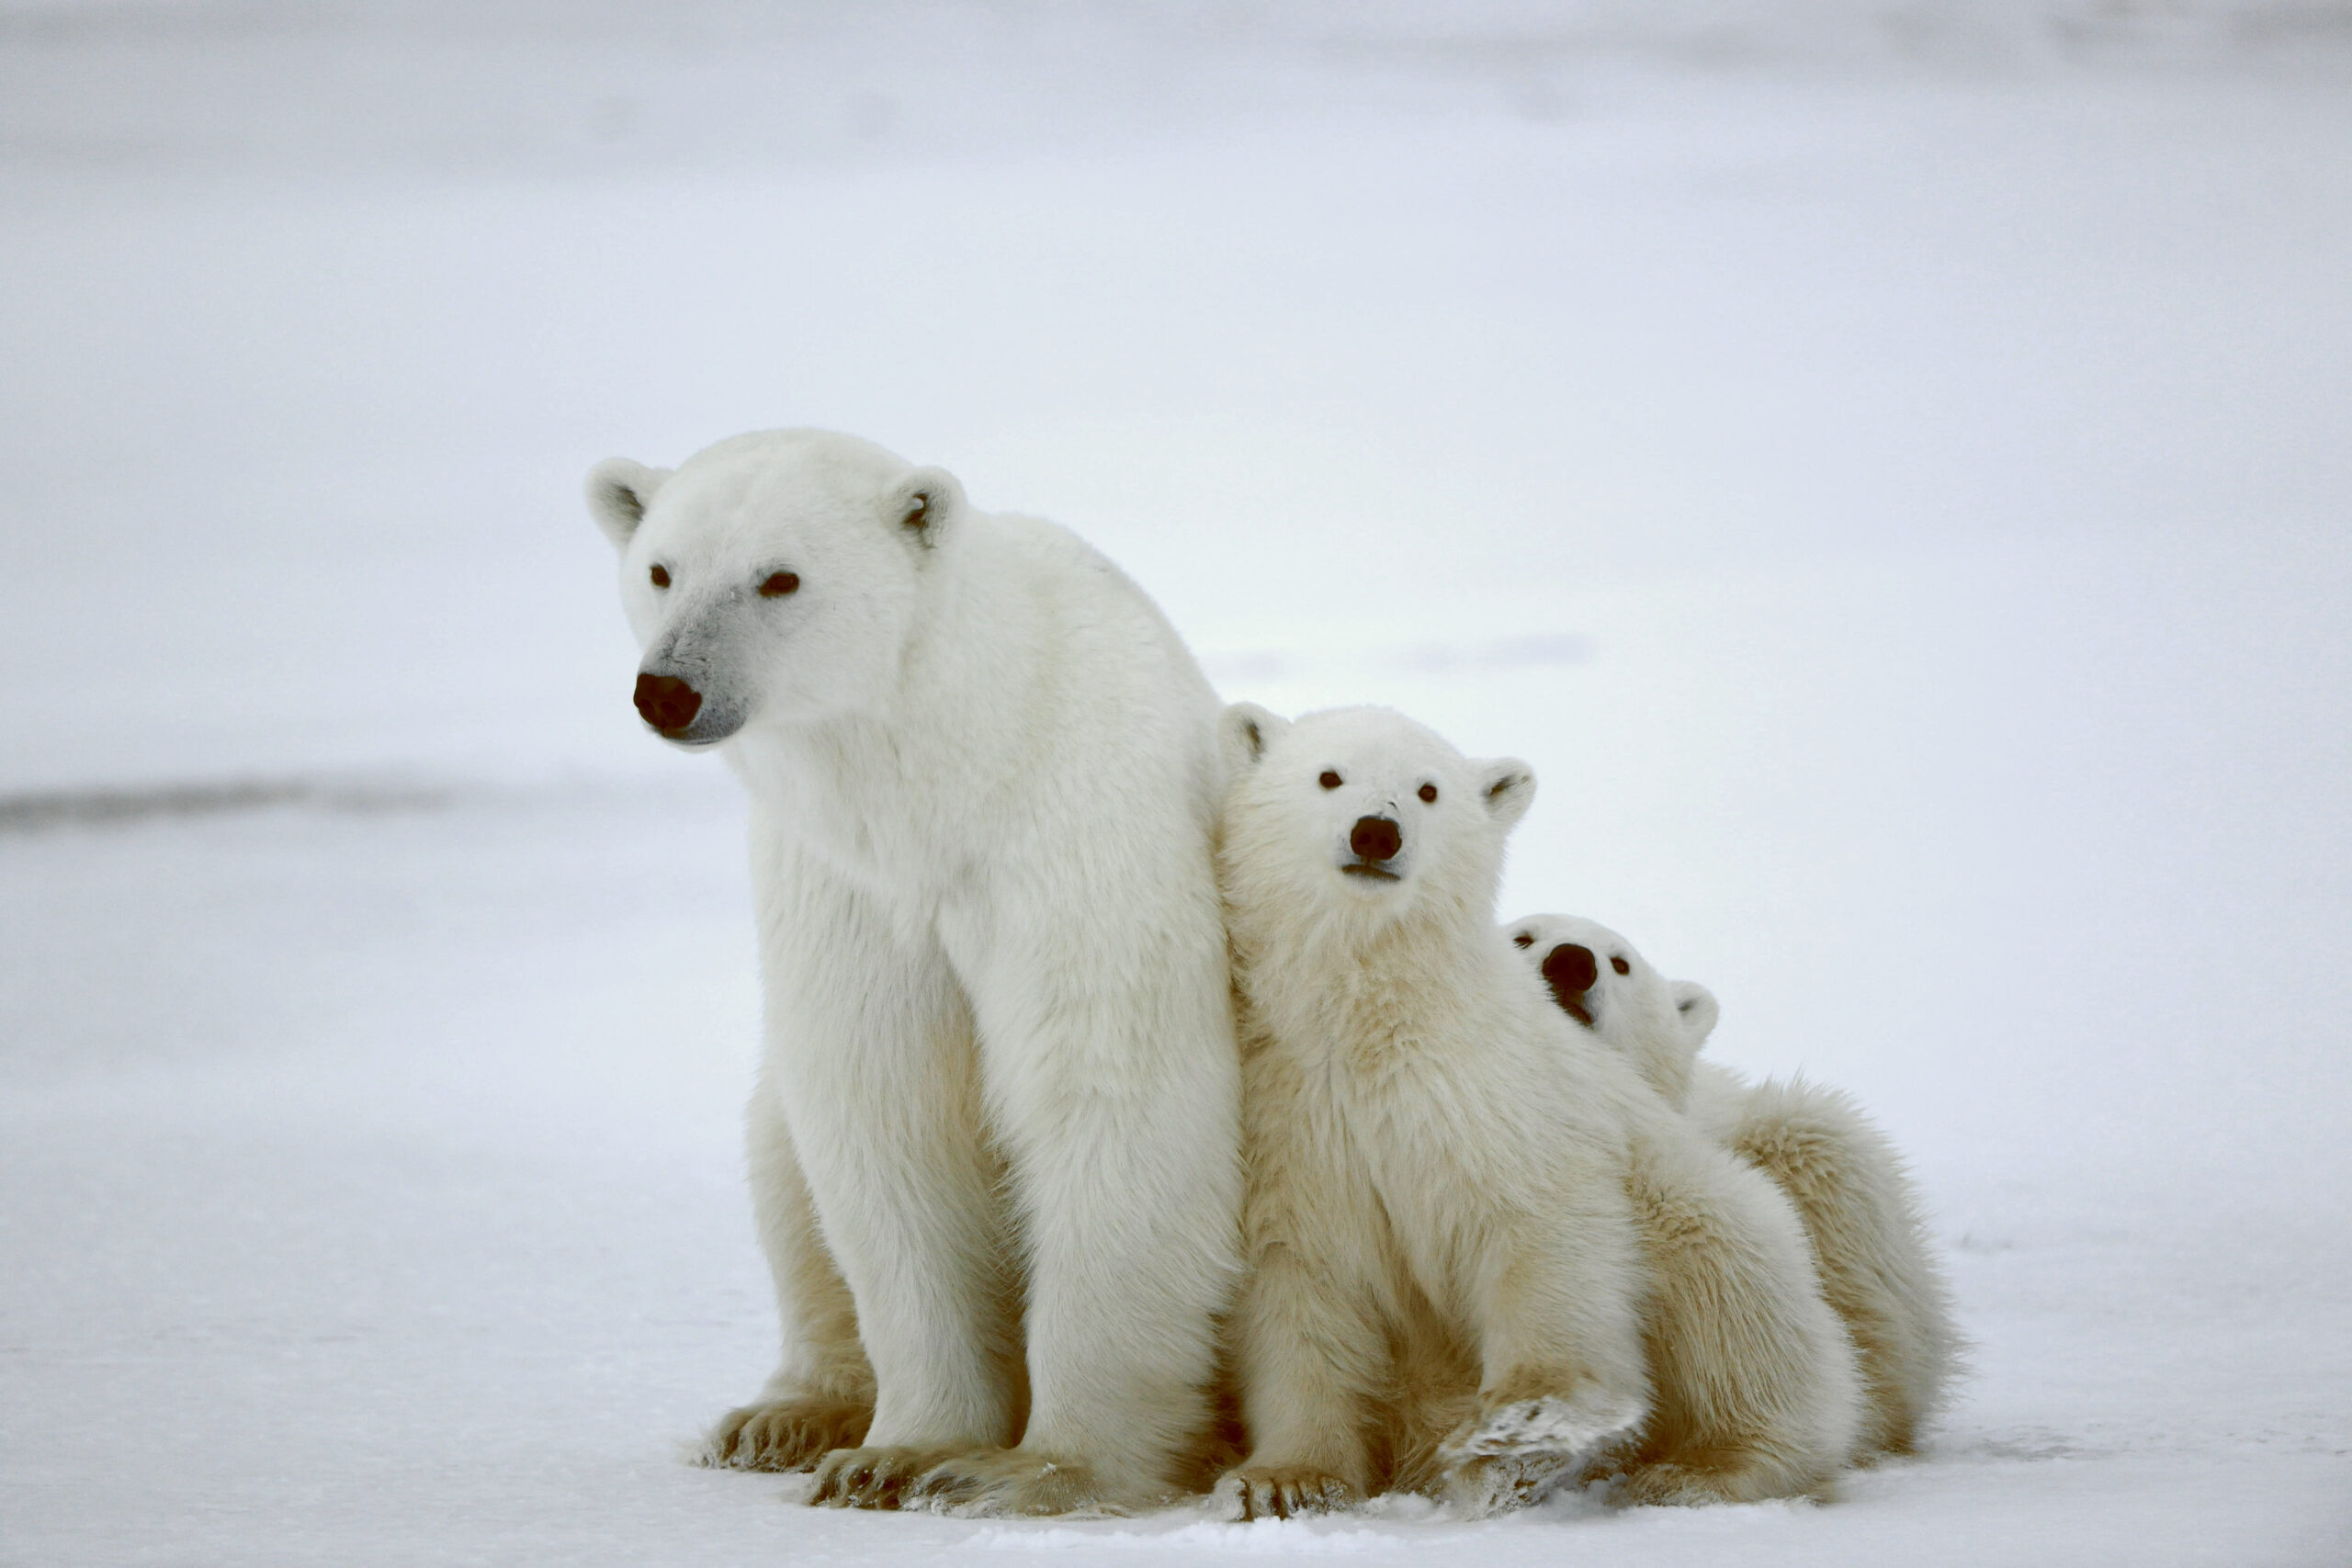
{"type": "Point", "coordinates": [1884, 467]}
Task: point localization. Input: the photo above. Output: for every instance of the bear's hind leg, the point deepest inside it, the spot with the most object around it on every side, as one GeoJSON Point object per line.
{"type": "Point", "coordinates": [822, 1396]}
{"type": "Point", "coordinates": [1757, 1396]}
{"type": "Point", "coordinates": [1877, 1269]}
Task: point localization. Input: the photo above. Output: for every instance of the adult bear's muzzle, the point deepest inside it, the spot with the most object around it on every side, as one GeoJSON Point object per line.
{"type": "Point", "coordinates": [668, 704]}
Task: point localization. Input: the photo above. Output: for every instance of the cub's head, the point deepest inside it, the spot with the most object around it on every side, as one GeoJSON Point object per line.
{"type": "Point", "coordinates": [1599, 979]}
{"type": "Point", "coordinates": [1362, 816]}
{"type": "Point", "coordinates": [773, 575]}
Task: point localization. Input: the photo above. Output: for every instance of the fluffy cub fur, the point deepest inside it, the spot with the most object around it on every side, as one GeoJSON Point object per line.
{"type": "Point", "coordinates": [1470, 1270]}
{"type": "Point", "coordinates": [1849, 1185]}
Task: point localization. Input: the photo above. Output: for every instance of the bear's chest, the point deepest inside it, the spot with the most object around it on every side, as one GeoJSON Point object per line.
{"type": "Point", "coordinates": [872, 816]}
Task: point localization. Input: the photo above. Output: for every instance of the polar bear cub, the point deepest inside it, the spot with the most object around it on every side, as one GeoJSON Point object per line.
{"type": "Point", "coordinates": [1467, 1269]}
{"type": "Point", "coordinates": [1658, 1025]}
{"type": "Point", "coordinates": [994, 1140]}
{"type": "Point", "coordinates": [1849, 1184]}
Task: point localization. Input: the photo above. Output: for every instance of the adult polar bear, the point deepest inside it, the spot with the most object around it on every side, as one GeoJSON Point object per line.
{"type": "Point", "coordinates": [999, 1097]}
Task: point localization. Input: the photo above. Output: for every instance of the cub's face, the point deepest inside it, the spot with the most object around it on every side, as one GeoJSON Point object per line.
{"type": "Point", "coordinates": [772, 576]}
{"type": "Point", "coordinates": [1363, 808]}
{"type": "Point", "coordinates": [1598, 978]}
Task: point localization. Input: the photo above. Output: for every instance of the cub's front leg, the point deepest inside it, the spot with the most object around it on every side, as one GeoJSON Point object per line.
{"type": "Point", "coordinates": [1309, 1348]}
{"type": "Point", "coordinates": [1558, 1312]}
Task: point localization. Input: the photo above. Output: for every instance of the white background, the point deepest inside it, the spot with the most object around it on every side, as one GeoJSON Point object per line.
{"type": "Point", "coordinates": [1886, 466]}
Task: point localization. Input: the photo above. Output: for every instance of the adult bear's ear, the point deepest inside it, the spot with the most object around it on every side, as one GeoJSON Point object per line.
{"type": "Point", "coordinates": [1695, 1009]}
{"type": "Point", "coordinates": [618, 494]}
{"type": "Point", "coordinates": [1507, 787]}
{"type": "Point", "coordinates": [926, 505]}
{"type": "Point", "coordinates": [1243, 733]}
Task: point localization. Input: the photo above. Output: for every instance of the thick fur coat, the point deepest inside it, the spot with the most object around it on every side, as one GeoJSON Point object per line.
{"type": "Point", "coordinates": [992, 1148]}
{"type": "Point", "coordinates": [1482, 1254]}
{"type": "Point", "coordinates": [1860, 1209]}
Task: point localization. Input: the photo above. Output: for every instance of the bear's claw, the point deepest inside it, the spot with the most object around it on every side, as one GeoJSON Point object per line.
{"type": "Point", "coordinates": [1009, 1482]}
{"type": "Point", "coordinates": [870, 1478]}
{"type": "Point", "coordinates": [1281, 1492]}
{"type": "Point", "coordinates": [786, 1434]}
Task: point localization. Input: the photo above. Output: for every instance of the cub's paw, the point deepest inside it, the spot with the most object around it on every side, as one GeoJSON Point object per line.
{"type": "Point", "coordinates": [870, 1478]}
{"type": "Point", "coordinates": [1013, 1482]}
{"type": "Point", "coordinates": [1279, 1492]}
{"type": "Point", "coordinates": [1480, 1487]}
{"type": "Point", "coordinates": [1567, 1425]}
{"type": "Point", "coordinates": [784, 1434]}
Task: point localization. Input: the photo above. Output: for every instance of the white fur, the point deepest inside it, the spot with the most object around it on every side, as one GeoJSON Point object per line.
{"type": "Point", "coordinates": [993, 1143]}
{"type": "Point", "coordinates": [1657, 1024]}
{"type": "Point", "coordinates": [1481, 1251]}
{"type": "Point", "coordinates": [1860, 1209]}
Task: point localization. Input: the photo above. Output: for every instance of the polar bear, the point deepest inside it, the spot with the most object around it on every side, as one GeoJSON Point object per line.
{"type": "Point", "coordinates": [993, 1141]}
{"type": "Point", "coordinates": [1850, 1187]}
{"type": "Point", "coordinates": [1656, 1023]}
{"type": "Point", "coordinates": [1469, 1270]}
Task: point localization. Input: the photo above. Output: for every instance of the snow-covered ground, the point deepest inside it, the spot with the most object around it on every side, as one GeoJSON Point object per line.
{"type": "Point", "coordinates": [1890, 468]}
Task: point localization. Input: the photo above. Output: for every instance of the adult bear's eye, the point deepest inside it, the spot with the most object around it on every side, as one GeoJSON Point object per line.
{"type": "Point", "coordinates": [1428, 794]}
{"type": "Point", "coordinates": [779, 584]}
{"type": "Point", "coordinates": [1619, 964]}
{"type": "Point", "coordinates": [1329, 779]}
{"type": "Point", "coordinates": [661, 575]}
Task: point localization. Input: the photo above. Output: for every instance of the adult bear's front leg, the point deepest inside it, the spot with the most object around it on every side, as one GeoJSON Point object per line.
{"type": "Point", "coordinates": [1106, 1030]}
{"type": "Point", "coordinates": [871, 1054]}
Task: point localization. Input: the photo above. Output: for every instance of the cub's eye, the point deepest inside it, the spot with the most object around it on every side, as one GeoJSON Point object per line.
{"type": "Point", "coordinates": [780, 584]}
{"type": "Point", "coordinates": [1428, 794]}
{"type": "Point", "coordinates": [1329, 779]}
{"type": "Point", "coordinates": [1620, 965]}
{"type": "Point", "coordinates": [661, 575]}
{"type": "Point", "coordinates": [1524, 939]}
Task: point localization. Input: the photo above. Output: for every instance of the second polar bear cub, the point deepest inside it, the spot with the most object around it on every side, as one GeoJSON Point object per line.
{"type": "Point", "coordinates": [1846, 1179]}
{"type": "Point", "coordinates": [1470, 1270]}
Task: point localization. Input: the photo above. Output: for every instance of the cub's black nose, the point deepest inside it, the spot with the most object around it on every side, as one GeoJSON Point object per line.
{"type": "Point", "coordinates": [1375, 838]}
{"type": "Point", "coordinates": [1570, 970]}
{"type": "Point", "coordinates": [668, 704]}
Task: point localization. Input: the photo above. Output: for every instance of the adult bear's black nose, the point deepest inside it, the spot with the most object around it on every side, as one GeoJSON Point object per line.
{"type": "Point", "coordinates": [1570, 969]}
{"type": "Point", "coordinates": [1375, 838]}
{"type": "Point", "coordinates": [668, 704]}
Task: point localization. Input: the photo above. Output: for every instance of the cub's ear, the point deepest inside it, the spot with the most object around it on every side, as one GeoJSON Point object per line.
{"type": "Point", "coordinates": [1507, 787]}
{"type": "Point", "coordinates": [618, 494]}
{"type": "Point", "coordinates": [1695, 1009]}
{"type": "Point", "coordinates": [1243, 733]}
{"type": "Point", "coordinates": [925, 505]}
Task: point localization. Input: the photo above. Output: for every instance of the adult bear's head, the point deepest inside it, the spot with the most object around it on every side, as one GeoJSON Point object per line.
{"type": "Point", "coordinates": [774, 576]}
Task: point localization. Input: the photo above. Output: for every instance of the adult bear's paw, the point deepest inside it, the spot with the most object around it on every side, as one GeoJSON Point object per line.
{"type": "Point", "coordinates": [786, 1434]}
{"type": "Point", "coordinates": [1014, 1482]}
{"type": "Point", "coordinates": [871, 1478]}
{"type": "Point", "coordinates": [1279, 1492]}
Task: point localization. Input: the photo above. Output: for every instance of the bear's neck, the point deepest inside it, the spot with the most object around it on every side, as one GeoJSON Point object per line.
{"type": "Point", "coordinates": [1386, 988]}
